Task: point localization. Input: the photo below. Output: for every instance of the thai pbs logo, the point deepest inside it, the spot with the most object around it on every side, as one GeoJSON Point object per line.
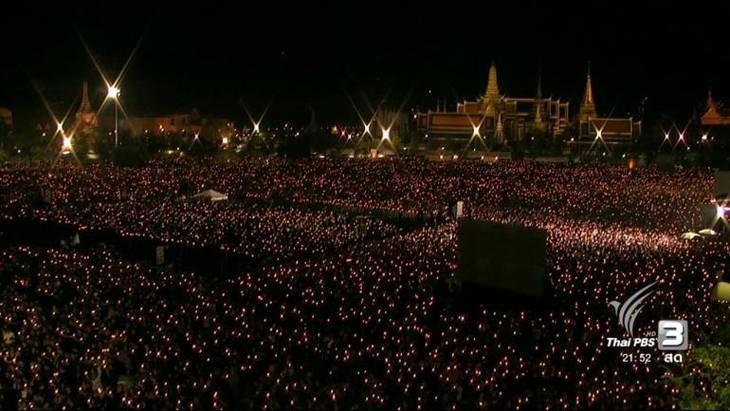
{"type": "Point", "coordinates": [671, 335]}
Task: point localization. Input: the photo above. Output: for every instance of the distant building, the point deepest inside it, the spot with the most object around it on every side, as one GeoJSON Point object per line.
{"type": "Point", "coordinates": [86, 119]}
{"type": "Point", "coordinates": [715, 114]}
{"type": "Point", "coordinates": [6, 116]}
{"type": "Point", "coordinates": [619, 131]}
{"type": "Point", "coordinates": [587, 110]}
{"type": "Point", "coordinates": [499, 116]}
{"type": "Point", "coordinates": [191, 123]}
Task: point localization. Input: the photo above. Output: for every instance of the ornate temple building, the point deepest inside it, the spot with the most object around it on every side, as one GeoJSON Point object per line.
{"type": "Point", "coordinates": [609, 131]}
{"type": "Point", "coordinates": [85, 128]}
{"type": "Point", "coordinates": [587, 109]}
{"type": "Point", "coordinates": [518, 118]}
{"type": "Point", "coordinates": [86, 120]}
{"type": "Point", "coordinates": [501, 117]}
{"type": "Point", "coordinates": [715, 114]}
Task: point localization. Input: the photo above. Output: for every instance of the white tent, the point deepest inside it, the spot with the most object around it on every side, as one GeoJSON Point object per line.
{"type": "Point", "coordinates": [689, 235]}
{"type": "Point", "coordinates": [212, 195]}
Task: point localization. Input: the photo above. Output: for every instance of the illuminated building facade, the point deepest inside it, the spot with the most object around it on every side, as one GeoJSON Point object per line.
{"type": "Point", "coordinates": [191, 123]}
{"type": "Point", "coordinates": [501, 117]}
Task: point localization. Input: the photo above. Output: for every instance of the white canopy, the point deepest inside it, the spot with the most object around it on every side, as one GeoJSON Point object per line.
{"type": "Point", "coordinates": [689, 235]}
{"type": "Point", "coordinates": [212, 195]}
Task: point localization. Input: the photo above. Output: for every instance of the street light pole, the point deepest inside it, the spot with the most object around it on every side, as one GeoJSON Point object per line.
{"type": "Point", "coordinates": [113, 93]}
{"type": "Point", "coordinates": [116, 124]}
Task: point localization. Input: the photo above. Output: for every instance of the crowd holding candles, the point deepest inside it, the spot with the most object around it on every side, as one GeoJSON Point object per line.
{"type": "Point", "coordinates": [344, 312]}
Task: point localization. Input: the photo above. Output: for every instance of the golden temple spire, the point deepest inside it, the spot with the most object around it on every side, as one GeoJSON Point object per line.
{"type": "Point", "coordinates": [539, 80]}
{"type": "Point", "coordinates": [85, 103]}
{"type": "Point", "coordinates": [710, 101]}
{"type": "Point", "coordinates": [492, 87]}
{"type": "Point", "coordinates": [588, 106]}
{"type": "Point", "coordinates": [85, 116]}
{"type": "Point", "coordinates": [588, 96]}
{"type": "Point", "coordinates": [538, 97]}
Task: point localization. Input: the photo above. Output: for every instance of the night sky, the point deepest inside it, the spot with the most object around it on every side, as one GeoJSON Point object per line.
{"type": "Point", "coordinates": [296, 56]}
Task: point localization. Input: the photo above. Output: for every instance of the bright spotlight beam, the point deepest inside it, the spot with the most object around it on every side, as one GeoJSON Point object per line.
{"type": "Point", "coordinates": [113, 92]}
{"type": "Point", "coordinates": [374, 111]}
{"type": "Point", "coordinates": [125, 67]}
{"type": "Point", "coordinates": [111, 86]}
{"type": "Point", "coordinates": [357, 111]}
{"type": "Point", "coordinates": [476, 135]}
{"type": "Point", "coordinates": [667, 138]}
{"type": "Point", "coordinates": [386, 128]}
{"type": "Point", "coordinates": [257, 123]}
{"type": "Point", "coordinates": [66, 144]}
{"type": "Point", "coordinates": [49, 110]}
{"type": "Point", "coordinates": [384, 139]}
{"type": "Point", "coordinates": [373, 115]}
{"type": "Point", "coordinates": [599, 134]}
{"type": "Point", "coordinates": [253, 122]}
{"type": "Point", "coordinates": [196, 139]}
{"type": "Point", "coordinates": [681, 137]}
{"type": "Point", "coordinates": [67, 148]}
{"type": "Point", "coordinates": [720, 210]}
{"type": "Point", "coordinates": [599, 138]}
{"type": "Point", "coordinates": [401, 106]}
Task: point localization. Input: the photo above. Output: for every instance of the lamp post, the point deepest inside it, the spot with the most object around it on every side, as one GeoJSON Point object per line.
{"type": "Point", "coordinates": [113, 93]}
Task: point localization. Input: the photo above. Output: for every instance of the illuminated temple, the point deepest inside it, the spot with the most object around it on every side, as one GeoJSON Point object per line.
{"type": "Point", "coordinates": [499, 116]}
{"type": "Point", "coordinates": [608, 131]}
{"type": "Point", "coordinates": [506, 119]}
{"type": "Point", "coordinates": [715, 114]}
{"type": "Point", "coordinates": [85, 116]}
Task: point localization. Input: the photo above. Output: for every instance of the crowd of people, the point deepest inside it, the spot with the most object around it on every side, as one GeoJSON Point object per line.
{"type": "Point", "coordinates": [647, 198]}
{"type": "Point", "coordinates": [355, 324]}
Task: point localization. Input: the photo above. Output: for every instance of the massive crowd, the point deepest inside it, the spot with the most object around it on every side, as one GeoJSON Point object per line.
{"type": "Point", "coordinates": [646, 198]}
{"type": "Point", "coordinates": [352, 314]}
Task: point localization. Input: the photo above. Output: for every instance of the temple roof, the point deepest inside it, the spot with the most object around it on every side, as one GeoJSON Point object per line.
{"type": "Point", "coordinates": [715, 106]}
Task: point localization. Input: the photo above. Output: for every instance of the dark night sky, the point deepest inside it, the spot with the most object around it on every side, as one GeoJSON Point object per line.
{"type": "Point", "coordinates": [295, 55]}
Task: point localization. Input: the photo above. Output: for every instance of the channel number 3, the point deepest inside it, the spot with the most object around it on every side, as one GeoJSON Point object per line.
{"type": "Point", "coordinates": [672, 335]}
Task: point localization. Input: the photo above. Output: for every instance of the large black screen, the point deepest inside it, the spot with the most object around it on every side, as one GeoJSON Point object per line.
{"type": "Point", "coordinates": [502, 256]}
